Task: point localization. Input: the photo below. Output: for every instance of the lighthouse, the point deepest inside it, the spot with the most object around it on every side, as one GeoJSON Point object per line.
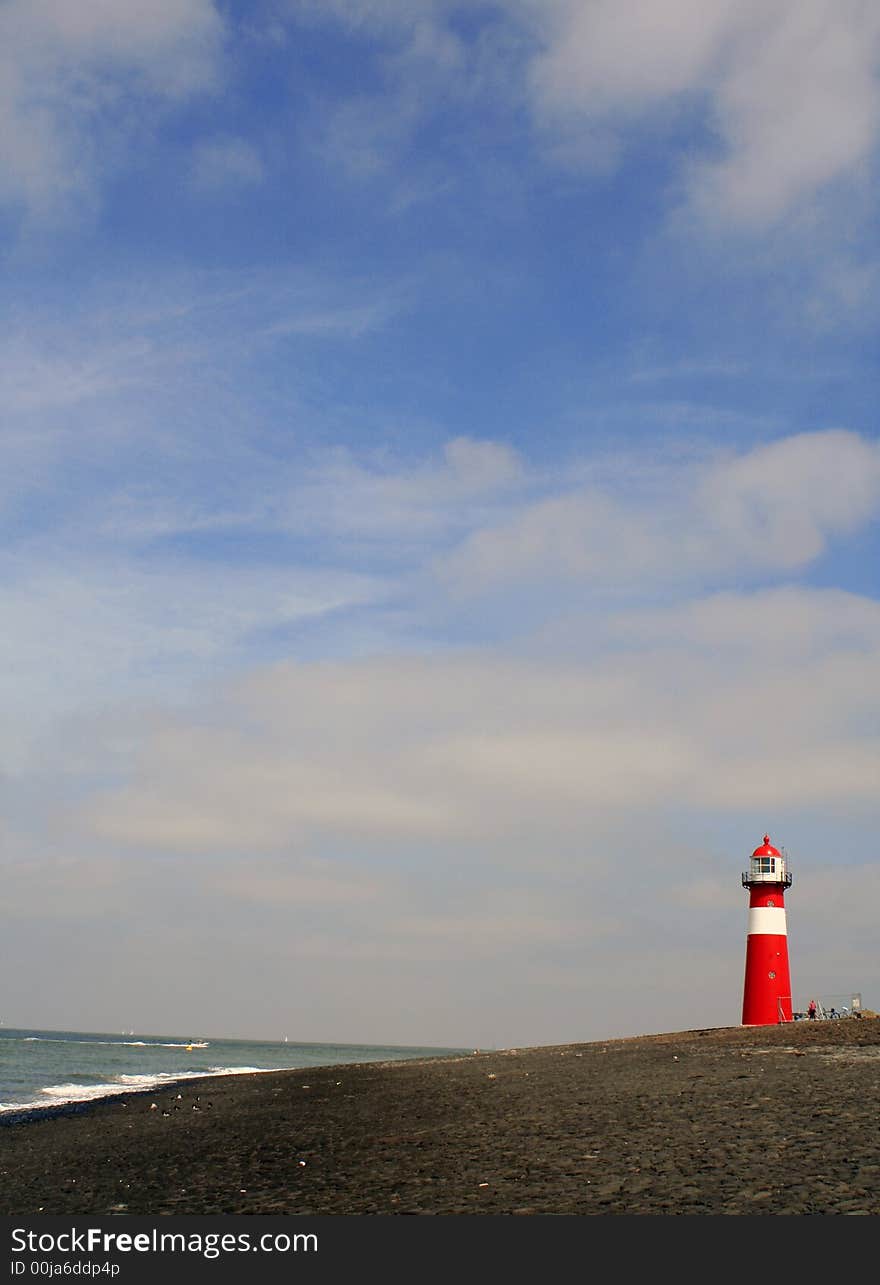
{"type": "Point", "coordinates": [767, 989]}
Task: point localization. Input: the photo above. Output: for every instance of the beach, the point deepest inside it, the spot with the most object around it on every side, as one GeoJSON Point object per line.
{"type": "Point", "coordinates": [732, 1120]}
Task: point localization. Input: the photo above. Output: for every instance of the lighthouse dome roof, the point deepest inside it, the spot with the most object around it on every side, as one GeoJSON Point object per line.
{"type": "Point", "coordinates": [766, 849]}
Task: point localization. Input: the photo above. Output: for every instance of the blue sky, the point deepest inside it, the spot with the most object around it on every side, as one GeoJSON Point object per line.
{"type": "Point", "coordinates": [439, 497]}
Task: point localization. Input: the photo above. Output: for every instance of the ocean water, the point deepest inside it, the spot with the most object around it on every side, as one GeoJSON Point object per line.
{"type": "Point", "coordinates": [44, 1069]}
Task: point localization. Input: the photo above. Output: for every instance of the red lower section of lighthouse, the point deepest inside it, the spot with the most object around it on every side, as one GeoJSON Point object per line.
{"type": "Point", "coordinates": [767, 989]}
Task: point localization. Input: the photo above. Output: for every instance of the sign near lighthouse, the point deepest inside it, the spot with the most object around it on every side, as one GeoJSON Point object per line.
{"type": "Point", "coordinates": [767, 988]}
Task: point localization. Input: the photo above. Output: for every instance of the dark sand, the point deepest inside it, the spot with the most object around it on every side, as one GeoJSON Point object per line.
{"type": "Point", "coordinates": [770, 1120]}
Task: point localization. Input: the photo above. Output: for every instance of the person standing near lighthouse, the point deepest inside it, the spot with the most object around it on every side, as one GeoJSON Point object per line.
{"type": "Point", "coordinates": [767, 987]}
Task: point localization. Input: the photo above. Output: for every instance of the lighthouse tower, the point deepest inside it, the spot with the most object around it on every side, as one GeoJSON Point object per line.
{"type": "Point", "coordinates": [767, 989]}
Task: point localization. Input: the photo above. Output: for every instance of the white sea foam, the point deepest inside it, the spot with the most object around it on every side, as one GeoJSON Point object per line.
{"type": "Point", "coordinates": [146, 1081]}
{"type": "Point", "coordinates": [76, 1092]}
{"type": "Point", "coordinates": [103, 1065]}
{"type": "Point", "coordinates": [248, 1070]}
{"type": "Point", "coordinates": [60, 1094]}
{"type": "Point", "coordinates": [125, 1044]}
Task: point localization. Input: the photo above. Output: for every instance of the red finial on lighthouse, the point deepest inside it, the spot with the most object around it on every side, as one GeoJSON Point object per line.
{"type": "Point", "coordinates": [767, 849]}
{"type": "Point", "coordinates": [767, 989]}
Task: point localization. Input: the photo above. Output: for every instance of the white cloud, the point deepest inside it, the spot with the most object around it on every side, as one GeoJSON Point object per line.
{"type": "Point", "coordinates": [78, 888]}
{"type": "Point", "coordinates": [799, 109]}
{"type": "Point", "coordinates": [779, 505]}
{"type": "Point", "coordinates": [775, 623]}
{"type": "Point", "coordinates": [346, 496]}
{"type": "Point", "coordinates": [789, 91]}
{"type": "Point", "coordinates": [624, 57]}
{"type": "Point", "coordinates": [85, 634]}
{"type": "Point", "coordinates": [774, 508]}
{"type": "Point", "coordinates": [295, 884]}
{"type": "Point", "coordinates": [491, 752]}
{"type": "Point", "coordinates": [70, 75]}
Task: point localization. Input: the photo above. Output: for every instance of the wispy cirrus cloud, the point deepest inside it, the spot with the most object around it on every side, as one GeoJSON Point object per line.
{"type": "Point", "coordinates": [226, 162]}
{"type": "Point", "coordinates": [151, 369]}
{"type": "Point", "coordinates": [765, 108]}
{"type": "Point", "coordinates": [347, 496]}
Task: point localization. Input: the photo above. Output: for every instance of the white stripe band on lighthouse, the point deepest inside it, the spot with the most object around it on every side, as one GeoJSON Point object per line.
{"type": "Point", "coordinates": [768, 920]}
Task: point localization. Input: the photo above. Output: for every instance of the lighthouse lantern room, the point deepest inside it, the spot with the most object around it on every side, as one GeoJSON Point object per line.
{"type": "Point", "coordinates": [767, 988]}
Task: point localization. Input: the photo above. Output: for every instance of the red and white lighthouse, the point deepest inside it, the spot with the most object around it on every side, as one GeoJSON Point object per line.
{"type": "Point", "coordinates": [767, 989]}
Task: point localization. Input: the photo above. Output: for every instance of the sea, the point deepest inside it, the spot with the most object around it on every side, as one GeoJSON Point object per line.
{"type": "Point", "coordinates": [52, 1069]}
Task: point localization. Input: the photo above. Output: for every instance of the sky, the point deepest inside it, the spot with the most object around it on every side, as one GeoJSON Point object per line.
{"type": "Point", "coordinates": [439, 496]}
